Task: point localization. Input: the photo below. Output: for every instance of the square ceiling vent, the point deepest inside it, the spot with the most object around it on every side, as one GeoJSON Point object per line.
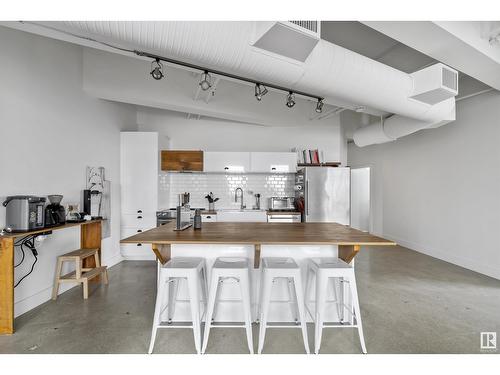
{"type": "Point", "coordinates": [293, 39]}
{"type": "Point", "coordinates": [435, 84]}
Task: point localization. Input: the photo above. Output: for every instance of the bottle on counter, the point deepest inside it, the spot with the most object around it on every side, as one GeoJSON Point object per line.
{"type": "Point", "coordinates": [197, 219]}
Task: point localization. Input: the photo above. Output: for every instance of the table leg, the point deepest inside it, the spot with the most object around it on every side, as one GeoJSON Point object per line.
{"type": "Point", "coordinates": [6, 286]}
{"type": "Point", "coordinates": [162, 252]}
{"type": "Point", "coordinates": [348, 252]}
{"type": "Point", "coordinates": [256, 259]}
{"type": "Point", "coordinates": [90, 238]}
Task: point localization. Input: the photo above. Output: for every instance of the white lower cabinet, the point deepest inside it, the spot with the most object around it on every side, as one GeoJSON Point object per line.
{"type": "Point", "coordinates": [209, 218]}
{"type": "Point", "coordinates": [242, 216]}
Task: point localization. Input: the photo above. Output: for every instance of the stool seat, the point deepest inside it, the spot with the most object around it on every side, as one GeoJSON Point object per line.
{"type": "Point", "coordinates": [191, 269]}
{"type": "Point", "coordinates": [80, 274]}
{"type": "Point", "coordinates": [321, 271]}
{"type": "Point", "coordinates": [287, 268]}
{"type": "Point", "coordinates": [237, 269]}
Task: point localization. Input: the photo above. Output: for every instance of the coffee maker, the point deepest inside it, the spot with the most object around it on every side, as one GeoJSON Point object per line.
{"type": "Point", "coordinates": [55, 214]}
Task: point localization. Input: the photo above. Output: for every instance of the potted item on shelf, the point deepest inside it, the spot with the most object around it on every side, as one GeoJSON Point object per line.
{"type": "Point", "coordinates": [211, 201]}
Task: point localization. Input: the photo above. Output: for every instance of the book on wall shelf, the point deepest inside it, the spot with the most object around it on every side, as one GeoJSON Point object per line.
{"type": "Point", "coordinates": [312, 157]}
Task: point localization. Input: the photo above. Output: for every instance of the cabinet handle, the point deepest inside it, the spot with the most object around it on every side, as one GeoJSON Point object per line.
{"type": "Point", "coordinates": [139, 230]}
{"type": "Point", "coordinates": [226, 168]}
{"type": "Point", "coordinates": [139, 217]}
{"type": "Point", "coordinates": [209, 217]}
{"type": "Point", "coordinates": [139, 211]}
{"type": "Point", "coordinates": [139, 244]}
{"type": "Point", "coordinates": [273, 168]}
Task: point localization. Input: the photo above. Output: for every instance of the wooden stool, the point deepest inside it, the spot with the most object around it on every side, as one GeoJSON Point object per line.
{"type": "Point", "coordinates": [80, 275]}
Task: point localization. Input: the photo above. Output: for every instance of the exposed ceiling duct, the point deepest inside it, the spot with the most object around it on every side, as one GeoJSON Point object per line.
{"type": "Point", "coordinates": [330, 71]}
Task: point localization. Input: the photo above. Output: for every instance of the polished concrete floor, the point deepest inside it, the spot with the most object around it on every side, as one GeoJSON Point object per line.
{"type": "Point", "coordinates": [410, 303]}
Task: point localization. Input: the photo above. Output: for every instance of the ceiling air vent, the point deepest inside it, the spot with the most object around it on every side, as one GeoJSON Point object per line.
{"type": "Point", "coordinates": [450, 79]}
{"type": "Point", "coordinates": [312, 26]}
{"type": "Point", "coordinates": [293, 39]}
{"type": "Point", "coordinates": [434, 84]}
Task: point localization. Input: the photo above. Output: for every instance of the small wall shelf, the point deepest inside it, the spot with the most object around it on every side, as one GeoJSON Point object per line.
{"type": "Point", "coordinates": [328, 164]}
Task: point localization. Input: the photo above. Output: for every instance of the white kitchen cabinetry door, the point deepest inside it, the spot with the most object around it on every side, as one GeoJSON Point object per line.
{"type": "Point", "coordinates": [139, 172]}
{"type": "Point", "coordinates": [236, 162]}
{"type": "Point", "coordinates": [208, 218]}
{"type": "Point", "coordinates": [273, 162]}
{"type": "Point", "coordinates": [139, 189]}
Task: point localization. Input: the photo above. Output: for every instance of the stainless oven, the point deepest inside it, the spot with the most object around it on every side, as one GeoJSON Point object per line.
{"type": "Point", "coordinates": [282, 203]}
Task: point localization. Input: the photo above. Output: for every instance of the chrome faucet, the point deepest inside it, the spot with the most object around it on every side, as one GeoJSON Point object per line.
{"type": "Point", "coordinates": [241, 195]}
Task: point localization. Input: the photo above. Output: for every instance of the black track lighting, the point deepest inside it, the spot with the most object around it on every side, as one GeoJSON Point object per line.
{"type": "Point", "coordinates": [205, 81]}
{"type": "Point", "coordinates": [260, 91]}
{"type": "Point", "coordinates": [290, 99]}
{"type": "Point", "coordinates": [319, 106]}
{"type": "Point", "coordinates": [157, 70]}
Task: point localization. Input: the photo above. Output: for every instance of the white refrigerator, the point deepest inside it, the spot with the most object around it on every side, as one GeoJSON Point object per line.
{"type": "Point", "coordinates": [326, 194]}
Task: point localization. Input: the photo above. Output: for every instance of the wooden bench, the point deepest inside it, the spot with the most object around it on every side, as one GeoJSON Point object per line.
{"type": "Point", "coordinates": [80, 274]}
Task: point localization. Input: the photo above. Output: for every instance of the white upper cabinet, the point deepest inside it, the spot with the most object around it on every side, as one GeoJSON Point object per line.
{"type": "Point", "coordinates": [139, 172]}
{"type": "Point", "coordinates": [273, 162]}
{"type": "Point", "coordinates": [236, 162]}
{"type": "Point", "coordinates": [248, 162]}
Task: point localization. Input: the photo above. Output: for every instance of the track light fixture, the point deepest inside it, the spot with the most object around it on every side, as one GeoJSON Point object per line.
{"type": "Point", "coordinates": [205, 81]}
{"type": "Point", "coordinates": [157, 69]}
{"type": "Point", "coordinates": [290, 99]}
{"type": "Point", "coordinates": [260, 91]}
{"type": "Point", "coordinates": [319, 106]}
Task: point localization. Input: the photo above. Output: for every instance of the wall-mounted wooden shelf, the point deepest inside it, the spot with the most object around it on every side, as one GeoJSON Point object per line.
{"type": "Point", "coordinates": [182, 160]}
{"type": "Point", "coordinates": [329, 164]}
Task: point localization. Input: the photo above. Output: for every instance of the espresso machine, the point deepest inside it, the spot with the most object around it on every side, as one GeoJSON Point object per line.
{"type": "Point", "coordinates": [55, 214]}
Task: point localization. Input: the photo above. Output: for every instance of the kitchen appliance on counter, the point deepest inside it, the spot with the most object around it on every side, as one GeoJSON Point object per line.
{"type": "Point", "coordinates": [24, 213]}
{"type": "Point", "coordinates": [164, 217]}
{"type": "Point", "coordinates": [55, 214]}
{"type": "Point", "coordinates": [324, 194]}
{"type": "Point", "coordinates": [184, 199]}
{"type": "Point", "coordinates": [282, 203]}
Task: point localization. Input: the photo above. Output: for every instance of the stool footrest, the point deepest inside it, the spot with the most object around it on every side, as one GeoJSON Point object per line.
{"type": "Point", "coordinates": [85, 275]}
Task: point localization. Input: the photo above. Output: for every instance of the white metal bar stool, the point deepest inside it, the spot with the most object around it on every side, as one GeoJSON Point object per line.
{"type": "Point", "coordinates": [237, 269]}
{"type": "Point", "coordinates": [323, 271]}
{"type": "Point", "coordinates": [194, 272]}
{"type": "Point", "coordinates": [275, 268]}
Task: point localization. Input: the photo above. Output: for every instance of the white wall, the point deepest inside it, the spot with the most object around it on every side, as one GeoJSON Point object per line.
{"type": "Point", "coordinates": [209, 134]}
{"type": "Point", "coordinates": [50, 130]}
{"type": "Point", "coordinates": [438, 191]}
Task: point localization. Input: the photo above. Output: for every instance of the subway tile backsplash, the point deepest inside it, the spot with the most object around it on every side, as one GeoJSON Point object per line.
{"type": "Point", "coordinates": [223, 187]}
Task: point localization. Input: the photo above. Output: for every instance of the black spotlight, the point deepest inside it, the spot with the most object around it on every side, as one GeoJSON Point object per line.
{"type": "Point", "coordinates": [157, 70]}
{"type": "Point", "coordinates": [205, 81]}
{"type": "Point", "coordinates": [290, 99]}
{"type": "Point", "coordinates": [260, 91]}
{"type": "Point", "coordinates": [319, 106]}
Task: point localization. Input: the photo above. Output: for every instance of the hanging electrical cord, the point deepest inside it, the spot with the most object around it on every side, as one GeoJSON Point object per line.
{"type": "Point", "coordinates": [19, 243]}
{"type": "Point", "coordinates": [30, 244]}
{"type": "Point", "coordinates": [22, 259]}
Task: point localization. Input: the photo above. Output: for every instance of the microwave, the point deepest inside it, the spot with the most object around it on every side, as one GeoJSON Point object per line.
{"type": "Point", "coordinates": [282, 203]}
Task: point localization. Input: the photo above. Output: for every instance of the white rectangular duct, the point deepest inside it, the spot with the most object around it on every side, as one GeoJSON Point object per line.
{"type": "Point", "coordinates": [295, 39]}
{"type": "Point", "coordinates": [434, 84]}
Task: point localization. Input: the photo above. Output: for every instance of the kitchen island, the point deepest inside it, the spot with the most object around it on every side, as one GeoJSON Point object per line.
{"type": "Point", "coordinates": [254, 240]}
